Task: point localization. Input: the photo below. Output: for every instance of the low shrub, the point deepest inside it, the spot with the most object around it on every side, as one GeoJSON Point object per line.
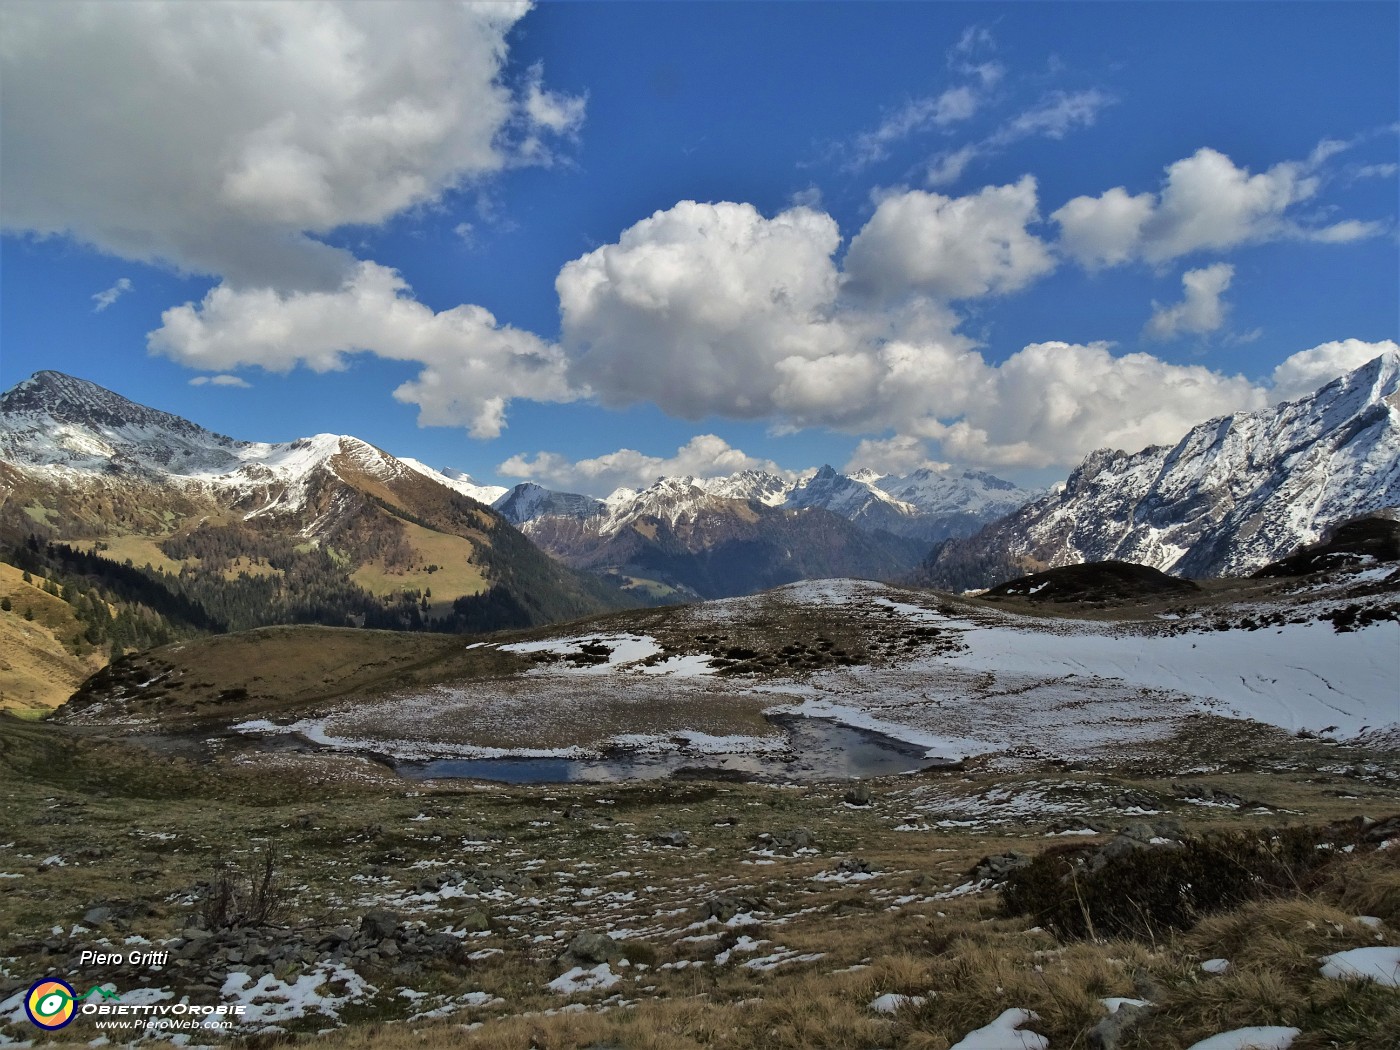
{"type": "Point", "coordinates": [1148, 891]}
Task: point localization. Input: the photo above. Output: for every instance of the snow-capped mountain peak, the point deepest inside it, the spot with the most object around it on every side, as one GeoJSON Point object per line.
{"type": "Point", "coordinates": [458, 481]}
{"type": "Point", "coordinates": [1234, 493]}
{"type": "Point", "coordinates": [769, 489]}
{"type": "Point", "coordinates": [528, 501]}
{"type": "Point", "coordinates": [926, 504]}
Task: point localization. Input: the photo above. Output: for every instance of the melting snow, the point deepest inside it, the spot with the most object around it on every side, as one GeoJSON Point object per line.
{"type": "Point", "coordinates": [1381, 965]}
{"type": "Point", "coordinates": [323, 990]}
{"type": "Point", "coordinates": [1264, 1037]}
{"type": "Point", "coordinates": [1002, 1034]}
{"type": "Point", "coordinates": [580, 980]}
{"type": "Point", "coordinates": [891, 1002]}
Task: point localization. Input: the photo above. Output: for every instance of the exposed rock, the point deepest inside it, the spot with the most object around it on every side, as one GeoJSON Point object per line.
{"type": "Point", "coordinates": [858, 795]}
{"type": "Point", "coordinates": [379, 924]}
{"type": "Point", "coordinates": [474, 922]}
{"type": "Point", "coordinates": [590, 949]}
{"type": "Point", "coordinates": [725, 907]}
{"type": "Point", "coordinates": [998, 866]}
{"type": "Point", "coordinates": [674, 837]}
{"type": "Point", "coordinates": [797, 838]}
{"type": "Point", "coordinates": [1109, 1033]}
{"type": "Point", "coordinates": [1206, 793]}
{"type": "Point", "coordinates": [1132, 799]}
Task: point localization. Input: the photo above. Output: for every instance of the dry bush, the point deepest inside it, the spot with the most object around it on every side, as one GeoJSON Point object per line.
{"type": "Point", "coordinates": [1146, 893]}
{"type": "Point", "coordinates": [238, 895]}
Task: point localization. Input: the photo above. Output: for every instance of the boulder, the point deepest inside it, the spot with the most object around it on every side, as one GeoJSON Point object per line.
{"type": "Point", "coordinates": [590, 949]}
{"type": "Point", "coordinates": [997, 866]}
{"type": "Point", "coordinates": [379, 924]}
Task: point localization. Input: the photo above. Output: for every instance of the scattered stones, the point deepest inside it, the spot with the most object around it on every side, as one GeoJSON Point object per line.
{"type": "Point", "coordinates": [1132, 799]}
{"type": "Point", "coordinates": [998, 866]}
{"type": "Point", "coordinates": [1206, 793]}
{"type": "Point", "coordinates": [797, 838]}
{"type": "Point", "coordinates": [854, 866]}
{"type": "Point", "coordinates": [725, 907]}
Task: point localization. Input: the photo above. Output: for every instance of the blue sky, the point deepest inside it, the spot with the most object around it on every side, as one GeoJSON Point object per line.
{"type": "Point", "coordinates": [590, 243]}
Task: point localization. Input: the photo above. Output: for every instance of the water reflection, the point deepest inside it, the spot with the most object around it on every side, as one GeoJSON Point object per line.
{"type": "Point", "coordinates": [816, 750]}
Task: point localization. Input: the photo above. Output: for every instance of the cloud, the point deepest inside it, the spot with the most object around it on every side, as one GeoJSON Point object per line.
{"type": "Point", "coordinates": [948, 167]}
{"type": "Point", "coordinates": [900, 454]}
{"type": "Point", "coordinates": [714, 309]}
{"type": "Point", "coordinates": [472, 365]}
{"type": "Point", "coordinates": [1051, 403]}
{"type": "Point", "coordinates": [1307, 370]}
{"type": "Point", "coordinates": [1375, 171]}
{"type": "Point", "coordinates": [954, 105]}
{"type": "Point", "coordinates": [915, 116]}
{"type": "Point", "coordinates": [1206, 203]}
{"type": "Point", "coordinates": [693, 307]}
{"type": "Point", "coordinates": [1201, 310]}
{"type": "Point", "coordinates": [106, 298]}
{"type": "Point", "coordinates": [703, 456]}
{"type": "Point", "coordinates": [1054, 116]}
{"type": "Point", "coordinates": [221, 139]}
{"type": "Point", "coordinates": [221, 380]}
{"type": "Point", "coordinates": [951, 248]}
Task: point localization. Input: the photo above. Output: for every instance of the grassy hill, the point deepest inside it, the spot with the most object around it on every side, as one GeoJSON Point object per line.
{"type": "Point", "coordinates": [43, 654]}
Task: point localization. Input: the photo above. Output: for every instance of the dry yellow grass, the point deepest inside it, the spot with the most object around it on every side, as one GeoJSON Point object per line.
{"type": "Point", "coordinates": [141, 550]}
{"type": "Point", "coordinates": [455, 577]}
{"type": "Point", "coordinates": [38, 670]}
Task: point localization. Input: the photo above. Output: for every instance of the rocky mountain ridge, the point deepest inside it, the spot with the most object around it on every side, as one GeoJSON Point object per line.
{"type": "Point", "coordinates": [1233, 494]}
{"type": "Point", "coordinates": [926, 505]}
{"type": "Point", "coordinates": [694, 537]}
{"type": "Point", "coordinates": [327, 528]}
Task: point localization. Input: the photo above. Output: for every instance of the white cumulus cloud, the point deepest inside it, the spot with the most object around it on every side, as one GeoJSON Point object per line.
{"type": "Point", "coordinates": [901, 454]}
{"type": "Point", "coordinates": [1307, 370]}
{"type": "Point", "coordinates": [714, 309]}
{"type": "Point", "coordinates": [1201, 309]}
{"type": "Point", "coordinates": [220, 138]}
{"type": "Point", "coordinates": [1206, 203]}
{"type": "Point", "coordinates": [1051, 403]}
{"type": "Point", "coordinates": [951, 247]}
{"type": "Point", "coordinates": [472, 365]}
{"type": "Point", "coordinates": [693, 307]}
{"type": "Point", "coordinates": [703, 456]}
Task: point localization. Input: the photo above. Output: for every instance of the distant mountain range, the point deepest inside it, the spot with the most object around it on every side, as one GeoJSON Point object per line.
{"type": "Point", "coordinates": [1234, 494]}
{"type": "Point", "coordinates": [324, 529]}
{"type": "Point", "coordinates": [233, 534]}
{"type": "Point", "coordinates": [717, 537]}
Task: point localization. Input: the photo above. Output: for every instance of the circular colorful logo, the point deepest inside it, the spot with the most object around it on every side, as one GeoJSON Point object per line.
{"type": "Point", "coordinates": [50, 1003]}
